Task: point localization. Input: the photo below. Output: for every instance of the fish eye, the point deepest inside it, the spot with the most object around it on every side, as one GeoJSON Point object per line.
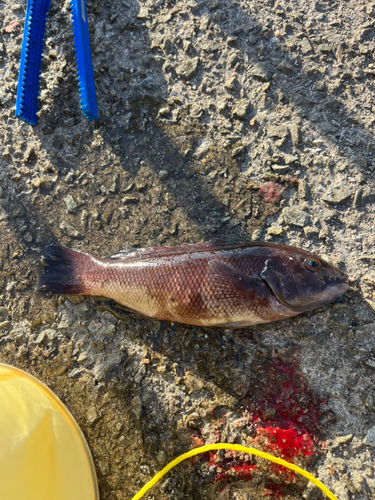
{"type": "Point", "coordinates": [312, 264]}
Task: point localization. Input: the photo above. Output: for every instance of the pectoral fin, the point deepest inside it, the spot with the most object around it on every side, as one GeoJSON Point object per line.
{"type": "Point", "coordinates": [226, 284]}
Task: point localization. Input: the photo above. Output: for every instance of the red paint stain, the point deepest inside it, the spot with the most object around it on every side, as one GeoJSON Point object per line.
{"type": "Point", "coordinates": [273, 490]}
{"type": "Point", "coordinates": [293, 181]}
{"type": "Point", "coordinates": [270, 192]}
{"type": "Point", "coordinates": [239, 472]}
{"type": "Point", "coordinates": [280, 394]}
{"type": "Point", "coordinates": [231, 467]}
{"type": "Point", "coordinates": [286, 414]}
{"type": "Point", "coordinates": [286, 418]}
{"type": "Point", "coordinates": [12, 27]}
{"type": "Point", "coordinates": [286, 443]}
{"type": "Point", "coordinates": [198, 441]}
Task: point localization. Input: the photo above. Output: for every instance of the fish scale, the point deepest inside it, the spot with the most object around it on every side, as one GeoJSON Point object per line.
{"type": "Point", "coordinates": [211, 284]}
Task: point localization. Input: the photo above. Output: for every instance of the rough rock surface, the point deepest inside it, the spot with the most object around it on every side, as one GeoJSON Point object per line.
{"type": "Point", "coordinates": [201, 103]}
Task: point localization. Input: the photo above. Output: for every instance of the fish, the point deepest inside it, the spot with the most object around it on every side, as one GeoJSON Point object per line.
{"type": "Point", "coordinates": [218, 283]}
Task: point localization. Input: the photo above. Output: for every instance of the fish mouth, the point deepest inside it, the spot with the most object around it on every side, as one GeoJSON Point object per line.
{"type": "Point", "coordinates": [327, 295]}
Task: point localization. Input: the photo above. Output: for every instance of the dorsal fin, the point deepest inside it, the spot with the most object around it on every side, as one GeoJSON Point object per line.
{"type": "Point", "coordinates": [169, 251]}
{"type": "Point", "coordinates": [234, 238]}
{"type": "Point", "coordinates": [125, 254]}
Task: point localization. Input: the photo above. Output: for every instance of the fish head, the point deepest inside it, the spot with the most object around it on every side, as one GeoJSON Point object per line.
{"type": "Point", "coordinates": [302, 281]}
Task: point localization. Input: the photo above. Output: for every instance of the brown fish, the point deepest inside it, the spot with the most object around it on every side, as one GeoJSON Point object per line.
{"type": "Point", "coordinates": [208, 284]}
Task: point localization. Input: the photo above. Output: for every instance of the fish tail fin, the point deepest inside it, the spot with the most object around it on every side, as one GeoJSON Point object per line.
{"type": "Point", "coordinates": [63, 271]}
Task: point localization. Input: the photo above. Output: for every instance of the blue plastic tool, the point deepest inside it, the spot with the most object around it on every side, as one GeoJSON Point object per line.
{"type": "Point", "coordinates": [31, 58]}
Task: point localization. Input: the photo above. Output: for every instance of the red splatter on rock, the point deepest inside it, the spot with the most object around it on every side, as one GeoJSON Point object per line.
{"type": "Point", "coordinates": [287, 443]}
{"type": "Point", "coordinates": [198, 441]}
{"type": "Point", "coordinates": [270, 192]}
{"type": "Point", "coordinates": [274, 490]}
{"type": "Point", "coordinates": [292, 180]}
{"type": "Point", "coordinates": [233, 467]}
{"type": "Point", "coordinates": [12, 27]}
{"type": "Point", "coordinates": [282, 395]}
{"type": "Point", "coordinates": [286, 418]}
{"type": "Point", "coordinates": [287, 415]}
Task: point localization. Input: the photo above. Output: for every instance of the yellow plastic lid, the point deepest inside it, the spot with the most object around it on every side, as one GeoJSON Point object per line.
{"type": "Point", "coordinates": [43, 453]}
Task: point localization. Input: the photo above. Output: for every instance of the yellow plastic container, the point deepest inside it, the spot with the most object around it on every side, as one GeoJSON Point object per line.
{"type": "Point", "coordinates": [43, 453]}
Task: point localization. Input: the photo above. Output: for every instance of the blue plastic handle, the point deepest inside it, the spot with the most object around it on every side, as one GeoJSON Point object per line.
{"type": "Point", "coordinates": [84, 62]}
{"type": "Point", "coordinates": [31, 59]}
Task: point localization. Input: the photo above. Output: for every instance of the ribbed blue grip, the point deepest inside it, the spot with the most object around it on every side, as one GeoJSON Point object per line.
{"type": "Point", "coordinates": [84, 63]}
{"type": "Point", "coordinates": [31, 59]}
